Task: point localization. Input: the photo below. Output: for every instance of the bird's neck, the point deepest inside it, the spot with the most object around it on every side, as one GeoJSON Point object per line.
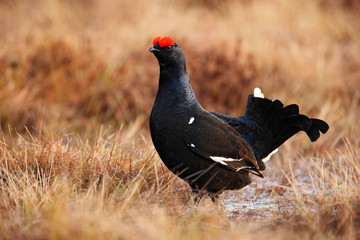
{"type": "Point", "coordinates": [174, 85]}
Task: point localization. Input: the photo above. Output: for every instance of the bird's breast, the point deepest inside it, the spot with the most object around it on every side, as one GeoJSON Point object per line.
{"type": "Point", "coordinates": [167, 125]}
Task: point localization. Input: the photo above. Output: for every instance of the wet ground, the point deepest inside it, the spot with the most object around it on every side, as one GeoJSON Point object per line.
{"type": "Point", "coordinates": [267, 198]}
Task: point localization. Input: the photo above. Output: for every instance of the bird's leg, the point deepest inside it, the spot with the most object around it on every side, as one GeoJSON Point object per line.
{"type": "Point", "coordinates": [197, 195]}
{"type": "Point", "coordinates": [214, 197]}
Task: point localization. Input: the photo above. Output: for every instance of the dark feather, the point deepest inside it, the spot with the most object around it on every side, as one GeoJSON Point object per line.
{"type": "Point", "coordinates": [209, 137]}
{"type": "Point", "coordinates": [267, 124]}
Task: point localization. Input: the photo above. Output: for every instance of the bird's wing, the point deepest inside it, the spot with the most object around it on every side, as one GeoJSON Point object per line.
{"type": "Point", "coordinates": [215, 140]}
{"type": "Point", "coordinates": [247, 126]}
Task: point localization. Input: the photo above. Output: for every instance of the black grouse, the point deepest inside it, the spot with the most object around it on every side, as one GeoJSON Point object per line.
{"type": "Point", "coordinates": [212, 151]}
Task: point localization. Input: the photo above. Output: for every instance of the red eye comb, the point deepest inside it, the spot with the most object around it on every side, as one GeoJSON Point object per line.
{"type": "Point", "coordinates": [163, 41]}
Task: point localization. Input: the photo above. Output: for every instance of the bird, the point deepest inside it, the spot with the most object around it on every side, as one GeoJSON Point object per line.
{"type": "Point", "coordinates": [211, 151]}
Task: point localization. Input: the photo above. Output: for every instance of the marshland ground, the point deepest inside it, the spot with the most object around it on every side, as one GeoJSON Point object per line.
{"type": "Point", "coordinates": [76, 90]}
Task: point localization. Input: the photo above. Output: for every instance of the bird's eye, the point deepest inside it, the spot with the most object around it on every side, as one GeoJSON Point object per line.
{"type": "Point", "coordinates": [169, 47]}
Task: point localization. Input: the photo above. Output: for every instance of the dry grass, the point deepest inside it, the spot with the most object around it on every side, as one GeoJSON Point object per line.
{"type": "Point", "coordinates": [76, 90]}
{"type": "Point", "coordinates": [61, 187]}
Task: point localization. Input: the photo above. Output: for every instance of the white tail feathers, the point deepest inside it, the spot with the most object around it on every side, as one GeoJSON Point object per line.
{"type": "Point", "coordinates": [258, 93]}
{"type": "Point", "coordinates": [267, 158]}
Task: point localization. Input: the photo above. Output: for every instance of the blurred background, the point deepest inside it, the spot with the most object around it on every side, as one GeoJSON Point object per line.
{"type": "Point", "coordinates": [76, 90]}
{"type": "Point", "coordinates": [76, 65]}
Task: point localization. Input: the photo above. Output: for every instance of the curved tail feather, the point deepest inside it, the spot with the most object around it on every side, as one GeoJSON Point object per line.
{"type": "Point", "coordinates": [278, 123]}
{"type": "Point", "coordinates": [316, 126]}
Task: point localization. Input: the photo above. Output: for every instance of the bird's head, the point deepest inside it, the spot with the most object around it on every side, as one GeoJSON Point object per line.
{"type": "Point", "coordinates": [167, 51]}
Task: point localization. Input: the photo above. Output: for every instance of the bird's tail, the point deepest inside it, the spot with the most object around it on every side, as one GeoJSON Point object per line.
{"type": "Point", "coordinates": [279, 123]}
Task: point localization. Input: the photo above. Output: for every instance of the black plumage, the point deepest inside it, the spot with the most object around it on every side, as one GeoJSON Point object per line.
{"type": "Point", "coordinates": [212, 151]}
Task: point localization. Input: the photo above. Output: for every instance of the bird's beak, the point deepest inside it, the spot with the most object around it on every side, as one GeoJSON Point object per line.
{"type": "Point", "coordinates": [152, 49]}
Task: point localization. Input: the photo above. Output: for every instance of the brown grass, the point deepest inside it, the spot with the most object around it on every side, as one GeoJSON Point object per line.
{"type": "Point", "coordinates": [76, 90]}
